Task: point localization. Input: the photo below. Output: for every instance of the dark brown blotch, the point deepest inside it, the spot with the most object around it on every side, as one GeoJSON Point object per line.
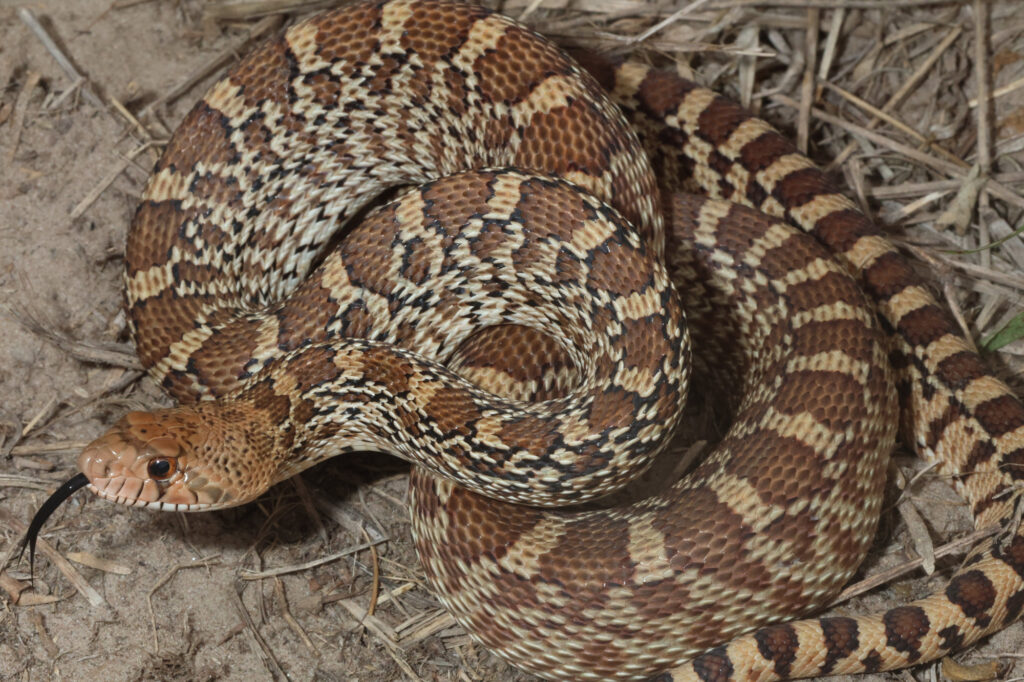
{"type": "Point", "coordinates": [661, 93]}
{"type": "Point", "coordinates": [801, 186]}
{"type": "Point", "coordinates": [763, 151]}
{"type": "Point", "coordinates": [714, 666]}
{"type": "Point", "coordinates": [842, 637]}
{"type": "Point", "coordinates": [778, 644]}
{"type": "Point", "coordinates": [925, 325]}
{"type": "Point", "coordinates": [888, 275]}
{"type": "Point", "coordinates": [719, 120]}
{"type": "Point", "coordinates": [383, 367]}
{"type": "Point", "coordinates": [262, 396]}
{"type": "Point", "coordinates": [1000, 415]}
{"type": "Point", "coordinates": [974, 593]}
{"type": "Point", "coordinates": [841, 229]}
{"type": "Point", "coordinates": [305, 315]}
{"type": "Point", "coordinates": [905, 628]}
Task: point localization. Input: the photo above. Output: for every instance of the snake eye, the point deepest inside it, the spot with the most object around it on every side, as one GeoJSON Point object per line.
{"type": "Point", "coordinates": [160, 468]}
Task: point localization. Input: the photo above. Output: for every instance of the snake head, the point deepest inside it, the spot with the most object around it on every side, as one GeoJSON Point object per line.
{"type": "Point", "coordinates": [174, 460]}
{"type": "Point", "coordinates": [167, 460]}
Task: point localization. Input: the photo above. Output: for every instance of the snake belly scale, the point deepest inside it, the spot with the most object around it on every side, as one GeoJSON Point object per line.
{"type": "Point", "coordinates": [511, 325]}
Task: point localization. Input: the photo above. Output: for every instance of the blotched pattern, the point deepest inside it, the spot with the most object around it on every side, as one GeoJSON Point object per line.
{"type": "Point", "coordinates": [568, 315]}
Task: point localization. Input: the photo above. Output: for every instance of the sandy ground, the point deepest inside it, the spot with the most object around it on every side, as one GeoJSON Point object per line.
{"type": "Point", "coordinates": [170, 600]}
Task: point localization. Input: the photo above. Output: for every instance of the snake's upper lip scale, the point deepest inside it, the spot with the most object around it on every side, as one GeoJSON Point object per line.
{"type": "Point", "coordinates": [45, 511]}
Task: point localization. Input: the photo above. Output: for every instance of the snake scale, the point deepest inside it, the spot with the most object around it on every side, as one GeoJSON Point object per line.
{"type": "Point", "coordinates": [511, 324]}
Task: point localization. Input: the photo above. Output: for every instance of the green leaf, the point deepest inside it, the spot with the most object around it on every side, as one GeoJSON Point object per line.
{"type": "Point", "coordinates": [1013, 330]}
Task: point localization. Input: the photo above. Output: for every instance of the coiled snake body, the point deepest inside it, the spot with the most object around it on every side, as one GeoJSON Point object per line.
{"type": "Point", "coordinates": [529, 263]}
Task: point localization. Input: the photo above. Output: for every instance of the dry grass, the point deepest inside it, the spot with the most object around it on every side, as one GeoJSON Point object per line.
{"type": "Point", "coordinates": [917, 106]}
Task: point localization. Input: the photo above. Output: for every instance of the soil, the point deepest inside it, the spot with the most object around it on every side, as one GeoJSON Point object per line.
{"type": "Point", "coordinates": [171, 599]}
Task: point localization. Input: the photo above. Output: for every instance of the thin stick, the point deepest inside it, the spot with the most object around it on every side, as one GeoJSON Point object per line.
{"type": "Point", "coordinates": [998, 92]}
{"type": "Point", "coordinates": [375, 588]}
{"type": "Point", "coordinates": [666, 22]}
{"type": "Point", "coordinates": [923, 70]}
{"type": "Point", "coordinates": [983, 120]}
{"type": "Point", "coordinates": [290, 619]}
{"type": "Point", "coordinates": [955, 547]}
{"type": "Point", "coordinates": [270, 660]}
{"type": "Point", "coordinates": [807, 89]}
{"type": "Point", "coordinates": [30, 20]}
{"type": "Point", "coordinates": [832, 4]}
{"type": "Point", "coordinates": [995, 188]}
{"type": "Point", "coordinates": [20, 107]}
{"type": "Point", "coordinates": [295, 568]}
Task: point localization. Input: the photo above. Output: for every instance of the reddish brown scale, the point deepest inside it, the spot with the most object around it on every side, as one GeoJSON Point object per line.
{"type": "Point", "coordinates": [905, 626]}
{"type": "Point", "coordinates": [380, 368]}
{"type": "Point", "coordinates": [719, 120]}
{"type": "Point", "coordinates": [527, 433]}
{"type": "Point", "coordinates": [611, 409]}
{"type": "Point", "coordinates": [957, 371]}
{"type": "Point", "coordinates": [648, 334]}
{"type": "Point", "coordinates": [576, 127]}
{"type": "Point", "coordinates": [840, 230]}
{"type": "Point", "coordinates": [1000, 416]}
{"type": "Point", "coordinates": [452, 412]}
{"type": "Point", "coordinates": [350, 37]}
{"type": "Point", "coordinates": [325, 88]}
{"type": "Point", "coordinates": [264, 76]}
{"type": "Point", "coordinates": [366, 257]}
{"type": "Point", "coordinates": [492, 241]}
{"type": "Point", "coordinates": [496, 132]}
{"type": "Point", "coordinates": [608, 270]}
{"type": "Point", "coordinates": [779, 644]}
{"type": "Point", "coordinates": [519, 355]}
{"type": "Point", "coordinates": [659, 93]}
{"type": "Point", "coordinates": [317, 367]}
{"type": "Point", "coordinates": [456, 202]}
{"type": "Point", "coordinates": [204, 138]}
{"type": "Point", "coordinates": [439, 30]}
{"type": "Point", "coordinates": [537, 209]}
{"type": "Point", "coordinates": [221, 359]}
{"type": "Point", "coordinates": [163, 316]}
{"type": "Point", "coordinates": [816, 393]}
{"type": "Point", "coordinates": [455, 83]}
{"type": "Point", "coordinates": [418, 258]}
{"type": "Point", "coordinates": [147, 253]}
{"type": "Point", "coordinates": [763, 152]}
{"type": "Point", "coordinates": [535, 62]}
{"type": "Point", "coordinates": [302, 413]}
{"type": "Point", "coordinates": [276, 407]}
{"type": "Point", "coordinates": [781, 481]}
{"type": "Point", "coordinates": [308, 313]}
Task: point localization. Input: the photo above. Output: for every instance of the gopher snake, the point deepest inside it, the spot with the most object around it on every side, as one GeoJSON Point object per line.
{"type": "Point", "coordinates": [310, 127]}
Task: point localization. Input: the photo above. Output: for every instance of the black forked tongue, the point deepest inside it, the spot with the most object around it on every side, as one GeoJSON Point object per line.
{"type": "Point", "coordinates": [62, 493]}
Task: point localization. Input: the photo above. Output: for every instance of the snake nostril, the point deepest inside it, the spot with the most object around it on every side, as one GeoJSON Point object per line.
{"type": "Point", "coordinates": [160, 468]}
